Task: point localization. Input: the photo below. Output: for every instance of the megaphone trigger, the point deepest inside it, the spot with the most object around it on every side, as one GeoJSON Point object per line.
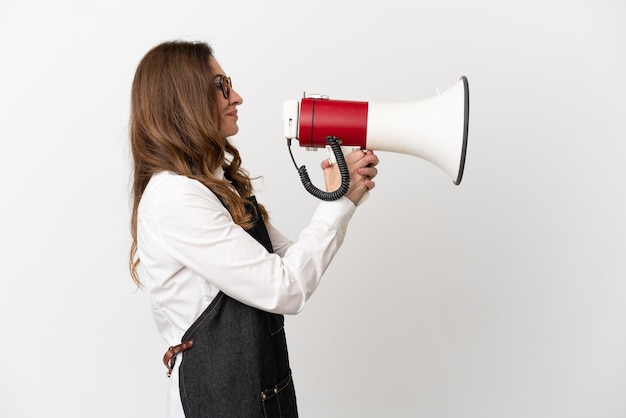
{"type": "Point", "coordinates": [345, 150]}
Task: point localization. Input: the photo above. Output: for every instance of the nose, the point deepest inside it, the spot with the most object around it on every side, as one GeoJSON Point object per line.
{"type": "Point", "coordinates": [235, 98]}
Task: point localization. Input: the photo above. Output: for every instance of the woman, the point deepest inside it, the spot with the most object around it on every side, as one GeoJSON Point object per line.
{"type": "Point", "coordinates": [219, 275]}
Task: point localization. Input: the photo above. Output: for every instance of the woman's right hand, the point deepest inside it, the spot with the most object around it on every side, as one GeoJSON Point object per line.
{"type": "Point", "coordinates": [362, 168]}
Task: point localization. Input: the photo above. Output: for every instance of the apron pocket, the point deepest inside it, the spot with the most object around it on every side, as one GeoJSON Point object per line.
{"type": "Point", "coordinates": [280, 400]}
{"type": "Point", "coordinates": [275, 323]}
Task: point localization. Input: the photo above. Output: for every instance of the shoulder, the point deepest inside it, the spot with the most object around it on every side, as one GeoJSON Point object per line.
{"type": "Point", "coordinates": [168, 182]}
{"type": "Point", "coordinates": [167, 189]}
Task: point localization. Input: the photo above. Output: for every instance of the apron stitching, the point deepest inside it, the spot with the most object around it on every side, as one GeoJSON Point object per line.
{"type": "Point", "coordinates": [192, 330]}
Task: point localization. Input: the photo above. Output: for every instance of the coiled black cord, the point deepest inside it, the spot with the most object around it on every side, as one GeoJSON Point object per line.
{"type": "Point", "coordinates": [334, 143]}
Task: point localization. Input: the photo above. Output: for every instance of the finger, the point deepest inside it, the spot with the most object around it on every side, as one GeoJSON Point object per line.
{"type": "Point", "coordinates": [355, 156]}
{"type": "Point", "coordinates": [371, 158]}
{"type": "Point", "coordinates": [369, 172]}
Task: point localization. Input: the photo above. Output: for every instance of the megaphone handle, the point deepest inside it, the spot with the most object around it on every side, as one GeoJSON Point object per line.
{"type": "Point", "coordinates": [333, 160]}
{"type": "Point", "coordinates": [343, 170]}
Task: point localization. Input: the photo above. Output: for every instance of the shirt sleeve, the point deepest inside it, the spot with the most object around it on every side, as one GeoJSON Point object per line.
{"type": "Point", "coordinates": [196, 230]}
{"type": "Point", "coordinates": [280, 242]}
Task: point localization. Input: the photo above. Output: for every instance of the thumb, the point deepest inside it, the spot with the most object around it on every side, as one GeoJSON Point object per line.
{"type": "Point", "coordinates": [325, 164]}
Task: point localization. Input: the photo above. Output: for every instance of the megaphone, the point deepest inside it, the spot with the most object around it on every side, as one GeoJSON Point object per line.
{"type": "Point", "coordinates": [433, 129]}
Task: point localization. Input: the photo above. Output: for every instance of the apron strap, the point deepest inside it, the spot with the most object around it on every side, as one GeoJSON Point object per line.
{"type": "Point", "coordinates": [169, 359]}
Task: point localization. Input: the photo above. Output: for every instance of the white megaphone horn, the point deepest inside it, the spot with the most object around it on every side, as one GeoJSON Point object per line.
{"type": "Point", "coordinates": [433, 129]}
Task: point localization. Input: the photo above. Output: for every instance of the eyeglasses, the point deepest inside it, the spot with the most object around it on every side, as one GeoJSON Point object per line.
{"type": "Point", "coordinates": [223, 83]}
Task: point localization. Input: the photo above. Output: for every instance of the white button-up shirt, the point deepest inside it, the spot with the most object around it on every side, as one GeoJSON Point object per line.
{"type": "Point", "coordinates": [190, 250]}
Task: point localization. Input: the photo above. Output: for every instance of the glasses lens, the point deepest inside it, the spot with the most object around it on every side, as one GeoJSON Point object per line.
{"type": "Point", "coordinates": [226, 86]}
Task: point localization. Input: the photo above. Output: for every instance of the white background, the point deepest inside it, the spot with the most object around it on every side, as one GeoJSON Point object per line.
{"type": "Point", "coordinates": [502, 297]}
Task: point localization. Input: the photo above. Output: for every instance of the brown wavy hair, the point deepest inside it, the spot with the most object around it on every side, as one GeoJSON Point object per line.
{"type": "Point", "coordinates": [175, 126]}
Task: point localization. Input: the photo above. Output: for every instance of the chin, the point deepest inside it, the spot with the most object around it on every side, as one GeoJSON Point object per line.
{"type": "Point", "coordinates": [230, 131]}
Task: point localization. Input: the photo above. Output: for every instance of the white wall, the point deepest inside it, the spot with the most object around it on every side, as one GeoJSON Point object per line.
{"type": "Point", "coordinates": [503, 297]}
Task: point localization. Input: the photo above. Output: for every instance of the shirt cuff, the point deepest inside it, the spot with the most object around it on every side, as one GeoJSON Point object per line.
{"type": "Point", "coordinates": [336, 212]}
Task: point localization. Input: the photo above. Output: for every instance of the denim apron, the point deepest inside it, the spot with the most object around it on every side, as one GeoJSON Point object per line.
{"type": "Point", "coordinates": [238, 366]}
